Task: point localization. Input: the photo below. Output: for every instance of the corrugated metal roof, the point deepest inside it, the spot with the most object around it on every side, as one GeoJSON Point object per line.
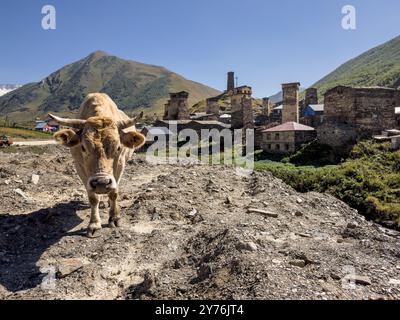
{"type": "Point", "coordinates": [397, 110]}
{"type": "Point", "coordinates": [317, 107]}
{"type": "Point", "coordinates": [41, 125]}
{"type": "Point", "coordinates": [290, 126]}
{"type": "Point", "coordinates": [280, 107]}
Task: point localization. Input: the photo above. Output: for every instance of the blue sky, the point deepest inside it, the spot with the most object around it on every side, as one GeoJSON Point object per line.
{"type": "Point", "coordinates": [266, 42]}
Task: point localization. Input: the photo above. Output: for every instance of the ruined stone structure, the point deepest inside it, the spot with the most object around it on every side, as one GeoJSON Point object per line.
{"type": "Point", "coordinates": [177, 107]}
{"type": "Point", "coordinates": [290, 111]}
{"type": "Point", "coordinates": [311, 97]}
{"type": "Point", "coordinates": [231, 81]}
{"type": "Point", "coordinates": [212, 108]}
{"type": "Point", "coordinates": [358, 112]}
{"type": "Point", "coordinates": [266, 107]}
{"type": "Point", "coordinates": [242, 108]}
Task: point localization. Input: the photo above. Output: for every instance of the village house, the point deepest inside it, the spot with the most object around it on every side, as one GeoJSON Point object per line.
{"type": "Point", "coordinates": [287, 137]}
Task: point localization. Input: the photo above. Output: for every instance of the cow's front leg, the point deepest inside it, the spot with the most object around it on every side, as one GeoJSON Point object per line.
{"type": "Point", "coordinates": [115, 214]}
{"type": "Point", "coordinates": [95, 221]}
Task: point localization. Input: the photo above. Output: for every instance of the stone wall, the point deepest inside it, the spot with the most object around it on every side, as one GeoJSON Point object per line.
{"type": "Point", "coordinates": [336, 134]}
{"type": "Point", "coordinates": [212, 108]}
{"type": "Point", "coordinates": [311, 97]}
{"type": "Point", "coordinates": [369, 110]}
{"type": "Point", "coordinates": [177, 107]}
{"type": "Point", "coordinates": [242, 108]}
{"type": "Point", "coordinates": [290, 111]}
{"type": "Point", "coordinates": [266, 107]}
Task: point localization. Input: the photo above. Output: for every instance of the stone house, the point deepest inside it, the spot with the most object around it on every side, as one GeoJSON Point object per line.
{"type": "Point", "coordinates": [287, 137]}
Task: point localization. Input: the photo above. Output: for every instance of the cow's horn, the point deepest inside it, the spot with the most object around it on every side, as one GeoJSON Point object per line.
{"type": "Point", "coordinates": [130, 122]}
{"type": "Point", "coordinates": [75, 123]}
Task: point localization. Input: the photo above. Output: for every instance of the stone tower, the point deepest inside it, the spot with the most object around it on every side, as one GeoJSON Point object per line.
{"type": "Point", "coordinates": [290, 110]}
{"type": "Point", "coordinates": [177, 107]}
{"type": "Point", "coordinates": [311, 97]}
{"type": "Point", "coordinates": [242, 108]}
{"type": "Point", "coordinates": [212, 108]}
{"type": "Point", "coordinates": [266, 107]}
{"type": "Point", "coordinates": [231, 81]}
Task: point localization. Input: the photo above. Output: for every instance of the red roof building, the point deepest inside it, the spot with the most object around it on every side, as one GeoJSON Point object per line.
{"type": "Point", "coordinates": [287, 137]}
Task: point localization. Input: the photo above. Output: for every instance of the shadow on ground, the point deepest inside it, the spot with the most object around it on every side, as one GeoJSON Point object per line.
{"type": "Point", "coordinates": [25, 237]}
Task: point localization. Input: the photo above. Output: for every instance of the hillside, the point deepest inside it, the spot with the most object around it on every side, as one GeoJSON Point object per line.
{"type": "Point", "coordinates": [188, 232]}
{"type": "Point", "coordinates": [131, 84]}
{"type": "Point", "coordinates": [6, 88]}
{"type": "Point", "coordinates": [379, 66]}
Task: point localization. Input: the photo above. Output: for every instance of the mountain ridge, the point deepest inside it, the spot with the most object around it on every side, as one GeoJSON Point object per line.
{"type": "Point", "coordinates": [379, 66]}
{"type": "Point", "coordinates": [133, 85]}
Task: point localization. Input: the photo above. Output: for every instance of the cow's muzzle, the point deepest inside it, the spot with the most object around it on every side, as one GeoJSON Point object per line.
{"type": "Point", "coordinates": [102, 183]}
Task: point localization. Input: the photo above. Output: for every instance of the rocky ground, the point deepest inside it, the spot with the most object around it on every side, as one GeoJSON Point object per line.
{"type": "Point", "coordinates": [194, 232]}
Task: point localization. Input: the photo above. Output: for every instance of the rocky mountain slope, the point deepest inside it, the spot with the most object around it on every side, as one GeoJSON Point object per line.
{"type": "Point", "coordinates": [188, 233]}
{"type": "Point", "coordinates": [6, 88]}
{"type": "Point", "coordinates": [131, 84]}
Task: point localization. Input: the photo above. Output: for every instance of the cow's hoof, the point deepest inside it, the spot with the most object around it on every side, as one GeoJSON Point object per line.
{"type": "Point", "coordinates": [114, 222]}
{"type": "Point", "coordinates": [94, 230]}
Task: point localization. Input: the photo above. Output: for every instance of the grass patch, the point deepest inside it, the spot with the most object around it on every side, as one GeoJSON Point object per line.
{"type": "Point", "coordinates": [24, 134]}
{"type": "Point", "coordinates": [369, 180]}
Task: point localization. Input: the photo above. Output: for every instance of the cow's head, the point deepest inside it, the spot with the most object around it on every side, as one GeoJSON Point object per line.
{"type": "Point", "coordinates": [100, 141]}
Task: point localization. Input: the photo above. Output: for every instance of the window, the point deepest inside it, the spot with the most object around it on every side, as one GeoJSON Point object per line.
{"type": "Point", "coordinates": [276, 136]}
{"type": "Point", "coordinates": [268, 136]}
{"type": "Point", "coordinates": [268, 146]}
{"type": "Point", "coordinates": [277, 147]}
{"type": "Point", "coordinates": [287, 146]}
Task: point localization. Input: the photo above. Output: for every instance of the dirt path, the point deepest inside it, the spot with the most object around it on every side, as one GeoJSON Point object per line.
{"type": "Point", "coordinates": [35, 143]}
{"type": "Point", "coordinates": [188, 233]}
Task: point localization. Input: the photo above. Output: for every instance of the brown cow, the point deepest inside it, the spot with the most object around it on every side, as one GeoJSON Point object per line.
{"type": "Point", "coordinates": [103, 140]}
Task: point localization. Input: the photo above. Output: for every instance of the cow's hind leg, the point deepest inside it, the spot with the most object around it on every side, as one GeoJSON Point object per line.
{"type": "Point", "coordinates": [115, 214]}
{"type": "Point", "coordinates": [95, 221]}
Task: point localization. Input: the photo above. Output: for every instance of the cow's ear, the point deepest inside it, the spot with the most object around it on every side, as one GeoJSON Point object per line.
{"type": "Point", "coordinates": [67, 138]}
{"type": "Point", "coordinates": [133, 139]}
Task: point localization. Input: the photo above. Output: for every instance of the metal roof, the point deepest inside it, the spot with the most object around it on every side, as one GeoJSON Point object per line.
{"type": "Point", "coordinates": [317, 107]}
{"type": "Point", "coordinates": [290, 126]}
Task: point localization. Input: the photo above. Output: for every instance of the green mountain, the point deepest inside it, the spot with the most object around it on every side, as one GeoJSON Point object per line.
{"type": "Point", "coordinates": [379, 66]}
{"type": "Point", "coordinates": [132, 85]}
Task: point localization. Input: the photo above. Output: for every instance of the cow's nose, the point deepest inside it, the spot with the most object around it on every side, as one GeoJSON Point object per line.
{"type": "Point", "coordinates": [101, 182]}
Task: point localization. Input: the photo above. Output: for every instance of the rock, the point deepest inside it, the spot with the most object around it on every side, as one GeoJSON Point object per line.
{"type": "Point", "coordinates": [204, 272]}
{"type": "Point", "coordinates": [228, 200]}
{"type": "Point", "coordinates": [263, 212]}
{"type": "Point", "coordinates": [246, 246]}
{"type": "Point", "coordinates": [303, 235]}
{"type": "Point", "coordinates": [35, 179]}
{"type": "Point", "coordinates": [7, 182]}
{"type": "Point", "coordinates": [299, 200]}
{"type": "Point", "coordinates": [192, 213]}
{"type": "Point", "coordinates": [352, 225]}
{"type": "Point", "coordinates": [21, 193]}
{"type": "Point", "coordinates": [298, 214]}
{"type": "Point", "coordinates": [298, 263]}
{"type": "Point", "coordinates": [357, 279]}
{"type": "Point", "coordinates": [395, 282]}
{"type": "Point", "coordinates": [68, 266]}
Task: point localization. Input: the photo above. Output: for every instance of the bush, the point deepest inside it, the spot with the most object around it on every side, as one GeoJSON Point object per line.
{"type": "Point", "coordinates": [369, 180]}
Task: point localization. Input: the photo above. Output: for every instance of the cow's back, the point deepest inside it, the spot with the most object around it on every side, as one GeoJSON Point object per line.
{"type": "Point", "coordinates": [101, 105]}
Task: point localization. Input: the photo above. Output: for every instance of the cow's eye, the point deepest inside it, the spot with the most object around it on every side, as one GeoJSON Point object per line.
{"type": "Point", "coordinates": [83, 148]}
{"type": "Point", "coordinates": [119, 149]}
